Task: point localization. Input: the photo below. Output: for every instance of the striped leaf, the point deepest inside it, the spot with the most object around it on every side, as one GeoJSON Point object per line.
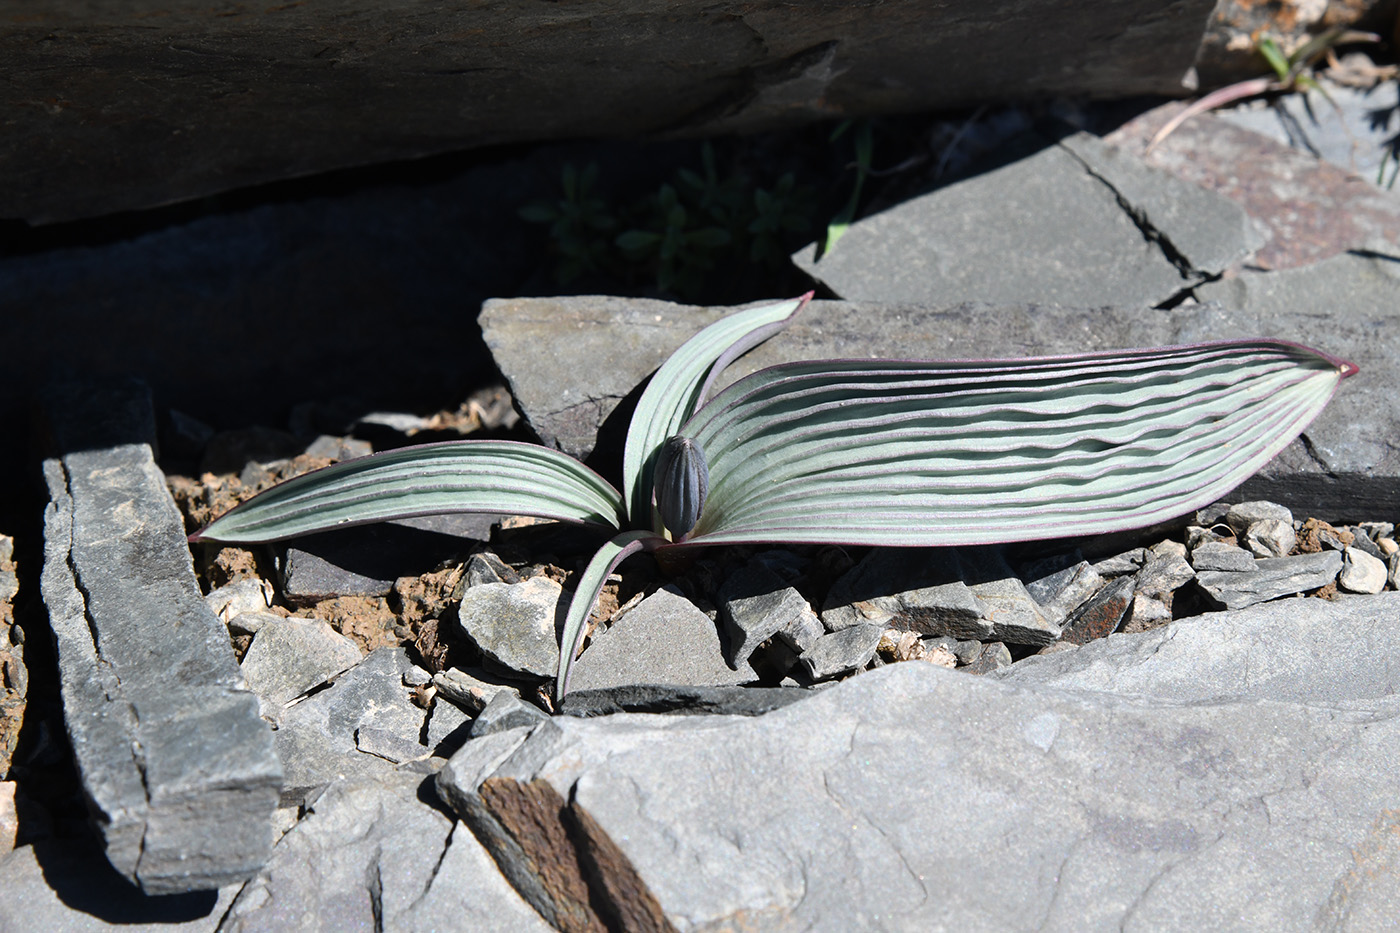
{"type": "Point", "coordinates": [453, 476]}
{"type": "Point", "coordinates": [678, 388]}
{"type": "Point", "coordinates": [910, 453]}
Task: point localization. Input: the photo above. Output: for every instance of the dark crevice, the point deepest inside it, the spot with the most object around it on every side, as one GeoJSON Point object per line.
{"type": "Point", "coordinates": [1314, 456]}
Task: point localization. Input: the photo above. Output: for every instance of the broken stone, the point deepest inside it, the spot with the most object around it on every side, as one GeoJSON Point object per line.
{"type": "Point", "coordinates": [1362, 542]}
{"type": "Point", "coordinates": [670, 698]}
{"type": "Point", "coordinates": [250, 623]}
{"type": "Point", "coordinates": [1062, 592]}
{"type": "Point", "coordinates": [485, 567]}
{"type": "Point", "coordinates": [388, 745]}
{"type": "Point", "coordinates": [362, 561]}
{"type": "Point", "coordinates": [755, 605]}
{"type": "Point", "coordinates": [1147, 612]}
{"type": "Point", "coordinates": [514, 625]}
{"type": "Point", "coordinates": [664, 639]}
{"type": "Point", "coordinates": [467, 691]}
{"type": "Point", "coordinates": [288, 657]}
{"type": "Point", "coordinates": [1217, 555]}
{"type": "Point", "coordinates": [841, 652]}
{"type": "Point", "coordinates": [449, 728]}
{"type": "Point", "coordinates": [994, 656]}
{"type": "Point", "coordinates": [1016, 618]}
{"type": "Point", "coordinates": [506, 711]}
{"type": "Point", "coordinates": [327, 447]}
{"type": "Point", "coordinates": [1163, 575]}
{"type": "Point", "coordinates": [1271, 578]}
{"type": "Point", "coordinates": [914, 589]}
{"type": "Point", "coordinates": [1102, 614]}
{"type": "Point", "coordinates": [1361, 572]}
{"type": "Point", "coordinates": [1393, 577]}
{"type": "Point", "coordinates": [1121, 564]}
{"type": "Point", "coordinates": [238, 597]}
{"type": "Point", "coordinates": [178, 771]}
{"type": "Point", "coordinates": [1270, 537]}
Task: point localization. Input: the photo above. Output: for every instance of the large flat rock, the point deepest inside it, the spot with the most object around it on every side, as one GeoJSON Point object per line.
{"type": "Point", "coordinates": [916, 797]}
{"type": "Point", "coordinates": [571, 361]}
{"type": "Point", "coordinates": [178, 770]}
{"type": "Point", "coordinates": [119, 106]}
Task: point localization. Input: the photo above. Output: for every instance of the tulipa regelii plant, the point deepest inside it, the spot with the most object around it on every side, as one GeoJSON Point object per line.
{"type": "Point", "coordinates": [905, 453]}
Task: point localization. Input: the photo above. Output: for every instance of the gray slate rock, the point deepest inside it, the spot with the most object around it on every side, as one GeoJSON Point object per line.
{"type": "Point", "coordinates": [1163, 575]}
{"type": "Point", "coordinates": [362, 561]}
{"type": "Point", "coordinates": [1217, 555]}
{"type": "Point", "coordinates": [1242, 515]}
{"type": "Point", "coordinates": [316, 738]}
{"type": "Point", "coordinates": [514, 625]}
{"type": "Point", "coordinates": [1361, 573]}
{"type": "Point", "coordinates": [178, 770]}
{"type": "Point", "coordinates": [570, 361]}
{"type": "Point", "coordinates": [1121, 564]}
{"type": "Point", "coordinates": [1101, 614]}
{"type": "Point", "coordinates": [290, 656]}
{"type": "Point", "coordinates": [993, 657]}
{"type": "Point", "coordinates": [506, 711]}
{"type": "Point", "coordinates": [841, 652]}
{"type": "Point", "coordinates": [1271, 537]}
{"type": "Point", "coordinates": [755, 605]}
{"type": "Point", "coordinates": [664, 639]}
{"type": "Point", "coordinates": [449, 727]}
{"type": "Point", "coordinates": [1122, 807]}
{"type": "Point", "coordinates": [1062, 592]}
{"type": "Point", "coordinates": [374, 854]}
{"type": "Point", "coordinates": [468, 691]}
{"type": "Point", "coordinates": [911, 589]}
{"type": "Point", "coordinates": [666, 698]}
{"type": "Point", "coordinates": [1291, 651]}
{"type": "Point", "coordinates": [1271, 578]}
{"type": "Point", "coordinates": [951, 244]}
{"type": "Point", "coordinates": [1016, 618]}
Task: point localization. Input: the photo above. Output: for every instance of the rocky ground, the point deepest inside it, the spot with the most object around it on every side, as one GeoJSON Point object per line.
{"type": "Point", "coordinates": [1190, 726]}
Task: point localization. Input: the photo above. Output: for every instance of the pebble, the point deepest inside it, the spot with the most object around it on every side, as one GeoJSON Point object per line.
{"type": "Point", "coordinates": [506, 711]}
{"type": "Point", "coordinates": [994, 656]}
{"type": "Point", "coordinates": [1148, 612]}
{"type": "Point", "coordinates": [1361, 572]}
{"type": "Point", "coordinates": [1120, 564]}
{"type": "Point", "coordinates": [841, 652]}
{"type": "Point", "coordinates": [1387, 546]}
{"type": "Point", "coordinates": [1241, 516]}
{"type": "Point", "coordinates": [1164, 573]}
{"type": "Point", "coordinates": [513, 624]}
{"type": "Point", "coordinates": [1362, 541]}
{"type": "Point", "coordinates": [1217, 555]}
{"type": "Point", "coordinates": [247, 595]}
{"type": "Point", "coordinates": [1271, 537]}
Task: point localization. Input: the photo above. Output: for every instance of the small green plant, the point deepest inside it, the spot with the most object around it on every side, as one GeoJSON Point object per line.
{"type": "Point", "coordinates": [579, 223]}
{"type": "Point", "coordinates": [865, 155]}
{"type": "Point", "coordinates": [1291, 72]}
{"type": "Point", "coordinates": [864, 452]}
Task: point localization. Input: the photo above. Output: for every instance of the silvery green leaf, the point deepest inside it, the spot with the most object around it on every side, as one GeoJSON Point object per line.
{"type": "Point", "coordinates": [678, 387]}
{"type": "Point", "coordinates": [453, 476]}
{"type": "Point", "coordinates": [586, 591]}
{"type": "Point", "coordinates": [682, 481]}
{"type": "Point", "coordinates": [973, 452]}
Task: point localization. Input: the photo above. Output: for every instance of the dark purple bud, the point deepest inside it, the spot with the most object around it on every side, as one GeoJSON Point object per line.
{"type": "Point", "coordinates": [681, 482]}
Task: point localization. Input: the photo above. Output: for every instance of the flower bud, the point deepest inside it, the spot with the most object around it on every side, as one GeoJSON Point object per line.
{"type": "Point", "coordinates": [681, 481]}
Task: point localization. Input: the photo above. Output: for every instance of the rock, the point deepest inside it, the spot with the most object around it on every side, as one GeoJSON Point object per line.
{"type": "Point", "coordinates": [1147, 612]}
{"type": "Point", "coordinates": [250, 623]}
{"type": "Point", "coordinates": [233, 599]}
{"type": "Point", "coordinates": [362, 561]}
{"type": "Point", "coordinates": [373, 854]}
{"type": "Point", "coordinates": [633, 797]}
{"type": "Point", "coordinates": [950, 245]}
{"type": "Point", "coordinates": [1101, 614]}
{"type": "Point", "coordinates": [1228, 49]}
{"type": "Point", "coordinates": [1271, 537]}
{"type": "Point", "coordinates": [1362, 542]}
{"type": "Point", "coordinates": [291, 656]}
{"type": "Point", "coordinates": [485, 567]}
{"type": "Point", "coordinates": [664, 639]}
{"type": "Point", "coordinates": [571, 360]}
{"type": "Point", "coordinates": [449, 728]}
{"type": "Point", "coordinates": [1016, 618]}
{"type": "Point", "coordinates": [1291, 651]}
{"type": "Point", "coordinates": [912, 589]}
{"type": "Point", "coordinates": [514, 625]}
{"type": "Point", "coordinates": [755, 606]}
{"type": "Point", "coordinates": [326, 447]}
{"type": "Point", "coordinates": [1163, 575]}
{"type": "Point", "coordinates": [469, 692]}
{"type": "Point", "coordinates": [416, 676]}
{"type": "Point", "coordinates": [1217, 555]}
{"type": "Point", "coordinates": [67, 885]}
{"type": "Point", "coordinates": [1065, 590]}
{"type": "Point", "coordinates": [667, 698]}
{"type": "Point", "coordinates": [1271, 578]}
{"type": "Point", "coordinates": [840, 652]}
{"type": "Point", "coordinates": [177, 769]}
{"type": "Point", "coordinates": [1245, 514]}
{"type": "Point", "coordinates": [506, 711]}
{"type": "Point", "coordinates": [994, 656]}
{"type": "Point", "coordinates": [1361, 573]}
{"type": "Point", "coordinates": [504, 77]}
{"type": "Point", "coordinates": [388, 745]}
{"type": "Point", "coordinates": [1393, 576]}
{"type": "Point", "coordinates": [316, 738]}
{"type": "Point", "coordinates": [1120, 564]}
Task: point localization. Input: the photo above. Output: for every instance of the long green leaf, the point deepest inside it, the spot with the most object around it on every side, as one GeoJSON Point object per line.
{"type": "Point", "coordinates": [678, 388]}
{"type": "Point", "coordinates": [974, 452]}
{"type": "Point", "coordinates": [453, 476]}
{"type": "Point", "coordinates": [586, 592]}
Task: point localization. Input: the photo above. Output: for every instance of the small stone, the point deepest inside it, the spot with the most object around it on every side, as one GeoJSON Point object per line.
{"type": "Point", "coordinates": [1147, 612]}
{"type": "Point", "coordinates": [755, 605]}
{"type": "Point", "coordinates": [1388, 547]}
{"type": "Point", "coordinates": [1270, 578]}
{"type": "Point", "coordinates": [896, 646]}
{"type": "Point", "coordinates": [664, 639]}
{"type": "Point", "coordinates": [416, 676]}
{"type": "Point", "coordinates": [1241, 516]}
{"type": "Point", "coordinates": [326, 447]}
{"type": "Point", "coordinates": [967, 651]}
{"type": "Point", "coordinates": [466, 690]}
{"type": "Point", "coordinates": [1393, 577]}
{"type": "Point", "coordinates": [1163, 575]}
{"type": "Point", "coordinates": [250, 623]}
{"type": "Point", "coordinates": [1015, 617]}
{"type": "Point", "coordinates": [506, 711]}
{"type": "Point", "coordinates": [1166, 549]}
{"type": "Point", "coordinates": [1270, 537]}
{"type": "Point", "coordinates": [1362, 541]}
{"type": "Point", "coordinates": [485, 567]}
{"type": "Point", "coordinates": [1102, 614]}
{"type": "Point", "coordinates": [449, 728]}
{"type": "Point", "coordinates": [1197, 535]}
{"type": "Point", "coordinates": [291, 656]}
{"type": "Point", "coordinates": [994, 656]}
{"type": "Point", "coordinates": [841, 652]}
{"type": "Point", "coordinates": [913, 589]}
{"type": "Point", "coordinates": [1213, 514]}
{"type": "Point", "coordinates": [1361, 572]}
{"type": "Point", "coordinates": [514, 624]}
{"type": "Point", "coordinates": [1063, 592]}
{"type": "Point", "coordinates": [1377, 530]}
{"type": "Point", "coordinates": [1217, 555]}
{"type": "Point", "coordinates": [1316, 535]}
{"type": "Point", "coordinates": [941, 656]}
{"type": "Point", "coordinates": [240, 596]}
{"type": "Point", "coordinates": [1120, 564]}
